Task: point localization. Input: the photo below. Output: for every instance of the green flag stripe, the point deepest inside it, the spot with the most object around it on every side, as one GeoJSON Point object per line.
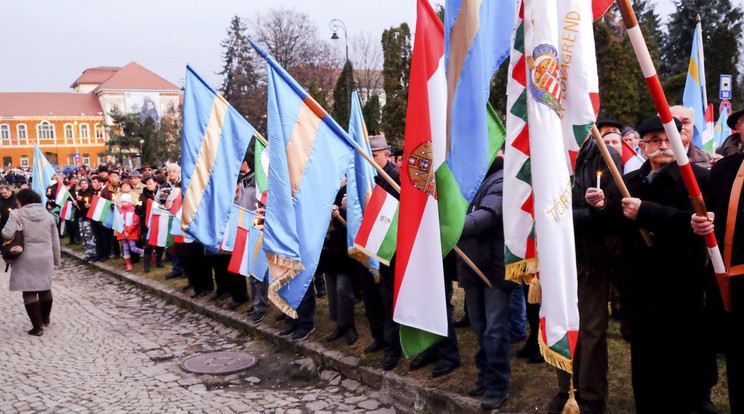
{"type": "Point", "coordinates": [525, 173]}
{"type": "Point", "coordinates": [581, 132]}
{"type": "Point", "coordinates": [519, 38]}
{"type": "Point", "coordinates": [561, 347]}
{"type": "Point", "coordinates": [413, 341]}
{"type": "Point", "coordinates": [519, 109]}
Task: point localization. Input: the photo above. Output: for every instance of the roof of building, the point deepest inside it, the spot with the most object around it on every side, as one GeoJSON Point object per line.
{"type": "Point", "coordinates": [96, 75]}
{"type": "Point", "coordinates": [49, 104]}
{"type": "Point", "coordinates": [134, 76]}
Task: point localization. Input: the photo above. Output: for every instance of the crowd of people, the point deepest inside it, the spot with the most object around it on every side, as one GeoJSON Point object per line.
{"type": "Point", "coordinates": [663, 288]}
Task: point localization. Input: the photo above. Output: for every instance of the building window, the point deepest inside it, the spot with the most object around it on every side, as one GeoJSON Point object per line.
{"type": "Point", "coordinates": [22, 132]}
{"type": "Point", "coordinates": [5, 131]}
{"type": "Point", "coordinates": [69, 131]}
{"type": "Point", "coordinates": [84, 132]}
{"type": "Point", "coordinates": [99, 131]}
{"type": "Point", "coordinates": [86, 160]}
{"type": "Point", "coordinates": [70, 159]}
{"type": "Point", "coordinates": [24, 161]}
{"type": "Point", "coordinates": [45, 130]}
{"type": "Point", "coordinates": [101, 160]}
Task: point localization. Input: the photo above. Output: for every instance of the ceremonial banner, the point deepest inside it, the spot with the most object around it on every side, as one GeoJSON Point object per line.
{"type": "Point", "coordinates": [360, 180]}
{"type": "Point", "coordinates": [99, 209]}
{"type": "Point", "coordinates": [214, 143]}
{"type": "Point", "coordinates": [309, 153]}
{"type": "Point", "coordinates": [722, 130]}
{"type": "Point", "coordinates": [562, 96]}
{"type": "Point", "coordinates": [693, 96]}
{"type": "Point", "coordinates": [420, 305]}
{"type": "Point", "coordinates": [378, 232]}
{"type": "Point", "coordinates": [42, 173]}
{"type": "Point", "coordinates": [476, 42]}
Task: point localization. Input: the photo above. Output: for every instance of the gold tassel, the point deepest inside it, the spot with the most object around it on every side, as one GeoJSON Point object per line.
{"type": "Point", "coordinates": [535, 293]}
{"type": "Point", "coordinates": [521, 271]}
{"type": "Point", "coordinates": [572, 406]}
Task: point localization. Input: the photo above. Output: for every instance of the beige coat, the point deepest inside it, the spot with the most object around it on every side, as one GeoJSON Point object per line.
{"type": "Point", "coordinates": [34, 268]}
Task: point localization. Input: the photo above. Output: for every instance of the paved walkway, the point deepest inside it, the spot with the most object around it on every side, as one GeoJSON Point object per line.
{"type": "Point", "coordinates": [112, 348]}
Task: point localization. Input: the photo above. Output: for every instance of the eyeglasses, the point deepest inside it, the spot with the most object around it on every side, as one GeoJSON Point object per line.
{"type": "Point", "coordinates": [656, 142]}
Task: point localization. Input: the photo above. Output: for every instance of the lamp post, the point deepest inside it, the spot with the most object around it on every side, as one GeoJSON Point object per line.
{"type": "Point", "coordinates": [335, 25]}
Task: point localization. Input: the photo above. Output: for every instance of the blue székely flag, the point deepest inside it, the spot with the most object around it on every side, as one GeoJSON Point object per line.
{"type": "Point", "coordinates": [360, 180]}
{"type": "Point", "coordinates": [722, 130]}
{"type": "Point", "coordinates": [42, 173]}
{"type": "Point", "coordinates": [309, 154]}
{"type": "Point", "coordinates": [477, 39]}
{"type": "Point", "coordinates": [694, 89]}
{"type": "Point", "coordinates": [215, 139]}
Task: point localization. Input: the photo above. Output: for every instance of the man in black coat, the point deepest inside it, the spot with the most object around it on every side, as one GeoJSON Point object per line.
{"type": "Point", "coordinates": [7, 203]}
{"type": "Point", "coordinates": [666, 281]}
{"type": "Point", "coordinates": [482, 241]}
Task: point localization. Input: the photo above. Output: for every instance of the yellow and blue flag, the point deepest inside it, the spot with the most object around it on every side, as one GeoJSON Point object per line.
{"type": "Point", "coordinates": [360, 181]}
{"type": "Point", "coordinates": [42, 173]}
{"type": "Point", "coordinates": [693, 96]}
{"type": "Point", "coordinates": [215, 139]}
{"type": "Point", "coordinates": [309, 153]}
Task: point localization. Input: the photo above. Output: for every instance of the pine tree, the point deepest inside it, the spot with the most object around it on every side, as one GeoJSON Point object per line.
{"type": "Point", "coordinates": [396, 48]}
{"type": "Point", "coordinates": [342, 95]}
{"type": "Point", "coordinates": [371, 112]}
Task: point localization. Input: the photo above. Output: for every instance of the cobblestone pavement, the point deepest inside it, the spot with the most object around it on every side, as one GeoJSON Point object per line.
{"type": "Point", "coordinates": [113, 348]}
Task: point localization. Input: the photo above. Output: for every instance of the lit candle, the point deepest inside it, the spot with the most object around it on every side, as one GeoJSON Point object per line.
{"type": "Point", "coordinates": [599, 176]}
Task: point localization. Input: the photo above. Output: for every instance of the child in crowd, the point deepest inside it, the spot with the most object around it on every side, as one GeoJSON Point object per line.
{"type": "Point", "coordinates": [130, 235]}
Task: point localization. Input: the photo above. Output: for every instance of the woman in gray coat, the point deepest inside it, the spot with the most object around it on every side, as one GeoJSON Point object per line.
{"type": "Point", "coordinates": [32, 271]}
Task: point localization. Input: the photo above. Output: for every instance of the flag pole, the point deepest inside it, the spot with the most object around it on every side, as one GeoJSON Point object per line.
{"type": "Point", "coordinates": [395, 185]}
{"type": "Point", "coordinates": [260, 138]}
{"type": "Point", "coordinates": [701, 61]}
{"type": "Point", "coordinates": [616, 174]}
{"type": "Point", "coordinates": [662, 107]}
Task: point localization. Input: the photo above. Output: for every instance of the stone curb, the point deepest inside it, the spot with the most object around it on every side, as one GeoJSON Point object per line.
{"type": "Point", "coordinates": [405, 393]}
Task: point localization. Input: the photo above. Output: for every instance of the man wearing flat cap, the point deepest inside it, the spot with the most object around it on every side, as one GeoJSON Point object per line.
{"type": "Point", "coordinates": [135, 177]}
{"type": "Point", "coordinates": [733, 144]}
{"type": "Point", "coordinates": [666, 281]}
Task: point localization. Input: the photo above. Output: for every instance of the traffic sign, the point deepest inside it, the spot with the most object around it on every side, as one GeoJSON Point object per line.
{"type": "Point", "coordinates": [725, 89]}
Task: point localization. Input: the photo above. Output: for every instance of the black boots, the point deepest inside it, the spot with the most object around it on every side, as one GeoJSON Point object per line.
{"type": "Point", "coordinates": [146, 264]}
{"type": "Point", "coordinates": [34, 313]}
{"type": "Point", "coordinates": [46, 309]}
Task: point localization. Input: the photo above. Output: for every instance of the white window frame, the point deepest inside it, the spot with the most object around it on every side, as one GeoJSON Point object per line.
{"type": "Point", "coordinates": [99, 131]}
{"type": "Point", "coordinates": [49, 128]}
{"type": "Point", "coordinates": [86, 160]}
{"type": "Point", "coordinates": [22, 132]}
{"type": "Point", "coordinates": [24, 161]}
{"type": "Point", "coordinates": [5, 132]}
{"type": "Point", "coordinates": [101, 160]}
{"type": "Point", "coordinates": [69, 132]}
{"type": "Point", "coordinates": [84, 133]}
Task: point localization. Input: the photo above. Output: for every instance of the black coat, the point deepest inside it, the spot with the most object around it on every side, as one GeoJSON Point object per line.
{"type": "Point", "coordinates": [482, 237]}
{"type": "Point", "coordinates": [6, 205]}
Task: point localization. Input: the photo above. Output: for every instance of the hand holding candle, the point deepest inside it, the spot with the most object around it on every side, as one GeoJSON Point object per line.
{"type": "Point", "coordinates": [599, 177]}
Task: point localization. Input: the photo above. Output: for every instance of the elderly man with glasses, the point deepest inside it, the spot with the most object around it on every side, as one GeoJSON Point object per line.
{"type": "Point", "coordinates": [666, 286]}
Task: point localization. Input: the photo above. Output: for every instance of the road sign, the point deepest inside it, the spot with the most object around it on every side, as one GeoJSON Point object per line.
{"type": "Point", "coordinates": [725, 89]}
{"type": "Point", "coordinates": [725, 107]}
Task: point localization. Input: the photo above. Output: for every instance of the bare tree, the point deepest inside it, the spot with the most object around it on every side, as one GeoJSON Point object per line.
{"type": "Point", "coordinates": [366, 55]}
{"type": "Point", "coordinates": [294, 41]}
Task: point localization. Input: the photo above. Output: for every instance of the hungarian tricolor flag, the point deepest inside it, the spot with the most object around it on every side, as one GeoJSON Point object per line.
{"type": "Point", "coordinates": [709, 142]}
{"type": "Point", "coordinates": [99, 210]}
{"type": "Point", "coordinates": [378, 232]}
{"type": "Point", "coordinates": [261, 165]}
{"type": "Point", "coordinates": [62, 195]}
{"type": "Point", "coordinates": [420, 305]}
{"type": "Point", "coordinates": [243, 259]}
{"type": "Point", "coordinates": [631, 160]}
{"type": "Point", "coordinates": [159, 231]}
{"type": "Point", "coordinates": [67, 211]}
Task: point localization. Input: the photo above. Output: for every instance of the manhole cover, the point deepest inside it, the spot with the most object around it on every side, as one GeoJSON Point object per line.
{"type": "Point", "coordinates": [223, 362]}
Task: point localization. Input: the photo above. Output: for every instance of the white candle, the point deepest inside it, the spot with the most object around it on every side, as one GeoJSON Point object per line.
{"type": "Point", "coordinates": [599, 176]}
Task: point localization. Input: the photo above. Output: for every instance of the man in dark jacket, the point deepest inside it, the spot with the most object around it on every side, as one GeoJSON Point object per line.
{"type": "Point", "coordinates": [733, 144]}
{"type": "Point", "coordinates": [483, 241]}
{"type": "Point", "coordinates": [7, 204]}
{"type": "Point", "coordinates": [667, 280]}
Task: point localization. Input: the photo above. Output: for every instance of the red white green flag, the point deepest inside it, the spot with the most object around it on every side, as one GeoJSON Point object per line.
{"type": "Point", "coordinates": [99, 209]}
{"type": "Point", "coordinates": [261, 165]}
{"type": "Point", "coordinates": [420, 305]}
{"type": "Point", "coordinates": [159, 232]}
{"type": "Point", "coordinates": [378, 232]}
{"type": "Point", "coordinates": [67, 211]}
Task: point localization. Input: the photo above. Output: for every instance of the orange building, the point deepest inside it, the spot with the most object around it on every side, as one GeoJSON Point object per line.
{"type": "Point", "coordinates": [70, 128]}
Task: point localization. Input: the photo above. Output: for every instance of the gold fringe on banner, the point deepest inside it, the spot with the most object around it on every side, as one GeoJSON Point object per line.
{"type": "Point", "coordinates": [283, 270]}
{"type": "Point", "coordinates": [359, 255]}
{"type": "Point", "coordinates": [522, 271]}
{"type": "Point", "coordinates": [553, 358]}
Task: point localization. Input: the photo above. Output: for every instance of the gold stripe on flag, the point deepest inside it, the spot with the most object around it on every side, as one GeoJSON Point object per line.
{"type": "Point", "coordinates": [301, 142]}
{"type": "Point", "coordinates": [204, 163]}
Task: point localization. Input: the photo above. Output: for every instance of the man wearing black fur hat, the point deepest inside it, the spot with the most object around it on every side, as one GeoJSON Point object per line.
{"type": "Point", "coordinates": [666, 286]}
{"type": "Point", "coordinates": [733, 144]}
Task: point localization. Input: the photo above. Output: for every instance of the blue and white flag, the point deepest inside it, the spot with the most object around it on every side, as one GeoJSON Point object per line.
{"type": "Point", "coordinates": [42, 174]}
{"type": "Point", "coordinates": [309, 154]}
{"type": "Point", "coordinates": [360, 181]}
{"type": "Point", "coordinates": [694, 95]}
{"type": "Point", "coordinates": [215, 139]}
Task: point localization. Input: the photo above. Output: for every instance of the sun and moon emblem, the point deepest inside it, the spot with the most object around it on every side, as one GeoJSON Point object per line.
{"type": "Point", "coordinates": [420, 172]}
{"type": "Point", "coordinates": [545, 78]}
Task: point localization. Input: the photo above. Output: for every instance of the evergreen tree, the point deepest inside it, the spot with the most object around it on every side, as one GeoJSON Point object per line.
{"type": "Point", "coordinates": [318, 93]}
{"type": "Point", "coordinates": [371, 112]}
{"type": "Point", "coordinates": [396, 48]}
{"type": "Point", "coordinates": [497, 95]}
{"type": "Point", "coordinates": [342, 95]}
{"type": "Point", "coordinates": [240, 85]}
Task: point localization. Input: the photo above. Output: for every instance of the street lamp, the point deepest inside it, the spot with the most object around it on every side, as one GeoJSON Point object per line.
{"type": "Point", "coordinates": [335, 25]}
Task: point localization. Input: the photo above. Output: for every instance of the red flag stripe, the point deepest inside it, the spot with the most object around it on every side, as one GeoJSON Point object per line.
{"type": "Point", "coordinates": [376, 201]}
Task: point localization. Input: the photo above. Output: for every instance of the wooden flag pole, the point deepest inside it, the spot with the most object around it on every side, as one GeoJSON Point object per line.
{"type": "Point", "coordinates": [260, 138]}
{"type": "Point", "coordinates": [662, 107]}
{"type": "Point", "coordinates": [616, 175]}
{"type": "Point", "coordinates": [395, 185]}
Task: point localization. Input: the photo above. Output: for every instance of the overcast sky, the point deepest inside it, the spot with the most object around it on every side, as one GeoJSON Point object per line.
{"type": "Point", "coordinates": [46, 44]}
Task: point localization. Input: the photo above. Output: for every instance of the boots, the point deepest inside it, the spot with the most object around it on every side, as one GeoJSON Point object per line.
{"type": "Point", "coordinates": [46, 309]}
{"type": "Point", "coordinates": [34, 313]}
{"type": "Point", "coordinates": [146, 265]}
{"type": "Point", "coordinates": [128, 261]}
{"type": "Point", "coordinates": [158, 260]}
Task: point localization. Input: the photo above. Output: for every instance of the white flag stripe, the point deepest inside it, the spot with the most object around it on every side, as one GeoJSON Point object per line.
{"type": "Point", "coordinates": [380, 228]}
